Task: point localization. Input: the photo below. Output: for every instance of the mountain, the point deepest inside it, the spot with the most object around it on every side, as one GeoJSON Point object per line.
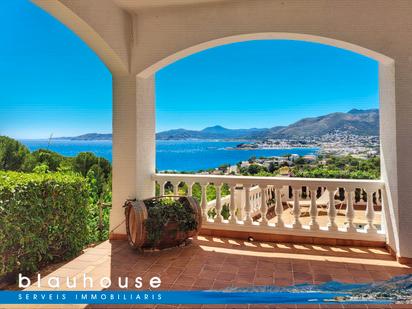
{"type": "Point", "coordinates": [88, 137]}
{"type": "Point", "coordinates": [356, 121]}
{"type": "Point", "coordinates": [215, 132]}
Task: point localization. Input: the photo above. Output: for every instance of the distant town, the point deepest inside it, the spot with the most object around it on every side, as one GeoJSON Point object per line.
{"type": "Point", "coordinates": [335, 143]}
{"type": "Point", "coordinates": [335, 146]}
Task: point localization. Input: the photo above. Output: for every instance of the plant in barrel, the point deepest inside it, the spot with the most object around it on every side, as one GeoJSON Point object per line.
{"type": "Point", "coordinates": [162, 222]}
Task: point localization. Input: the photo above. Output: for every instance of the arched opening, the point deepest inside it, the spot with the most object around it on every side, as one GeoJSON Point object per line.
{"type": "Point", "coordinates": [146, 106]}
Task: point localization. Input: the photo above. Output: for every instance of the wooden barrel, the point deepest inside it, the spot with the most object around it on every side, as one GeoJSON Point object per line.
{"type": "Point", "coordinates": [136, 215]}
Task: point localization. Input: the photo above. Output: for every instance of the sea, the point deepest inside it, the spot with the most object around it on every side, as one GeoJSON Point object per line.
{"type": "Point", "coordinates": [173, 155]}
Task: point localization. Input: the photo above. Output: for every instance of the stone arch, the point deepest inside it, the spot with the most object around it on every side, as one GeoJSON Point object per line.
{"type": "Point", "coordinates": [146, 114]}
{"type": "Point", "coordinates": [264, 36]}
{"type": "Point", "coordinates": [110, 56]}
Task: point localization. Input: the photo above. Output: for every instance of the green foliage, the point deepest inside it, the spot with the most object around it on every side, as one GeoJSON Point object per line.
{"type": "Point", "coordinates": [272, 167]}
{"type": "Point", "coordinates": [12, 154]}
{"type": "Point", "coordinates": [100, 197]}
{"type": "Point", "coordinates": [43, 218]}
{"type": "Point", "coordinates": [162, 211]}
{"type": "Point", "coordinates": [340, 167]}
{"type": "Point", "coordinates": [225, 212]}
{"type": "Point", "coordinates": [84, 161]}
{"type": "Point", "coordinates": [55, 210]}
{"type": "Point", "coordinates": [51, 159]}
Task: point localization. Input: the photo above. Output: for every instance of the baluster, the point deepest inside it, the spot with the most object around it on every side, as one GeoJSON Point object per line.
{"type": "Point", "coordinates": [279, 208]}
{"type": "Point", "coordinates": [263, 204]}
{"type": "Point", "coordinates": [176, 188]}
{"type": "Point", "coordinates": [232, 218]}
{"type": "Point", "coordinates": [203, 202]}
{"type": "Point", "coordinates": [248, 219]}
{"type": "Point", "coordinates": [296, 209]}
{"type": "Point", "coordinates": [240, 202]}
{"type": "Point", "coordinates": [313, 210]}
{"type": "Point", "coordinates": [332, 226]}
{"type": "Point", "coordinates": [190, 189]}
{"type": "Point", "coordinates": [370, 212]}
{"type": "Point", "coordinates": [218, 206]}
{"type": "Point", "coordinates": [350, 212]}
{"type": "Point", "coordinates": [162, 187]}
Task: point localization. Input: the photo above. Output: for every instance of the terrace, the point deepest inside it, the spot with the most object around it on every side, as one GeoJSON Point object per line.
{"type": "Point", "coordinates": [217, 262]}
{"type": "Point", "coordinates": [359, 240]}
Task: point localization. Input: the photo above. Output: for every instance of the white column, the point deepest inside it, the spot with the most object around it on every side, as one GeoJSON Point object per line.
{"type": "Point", "coordinates": [313, 210]}
{"type": "Point", "coordinates": [263, 204]}
{"type": "Point", "coordinates": [145, 137]}
{"type": "Point", "coordinates": [279, 208]}
{"type": "Point", "coordinates": [124, 158]}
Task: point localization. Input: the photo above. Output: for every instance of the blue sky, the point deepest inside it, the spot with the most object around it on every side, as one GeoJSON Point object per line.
{"type": "Point", "coordinates": [52, 83]}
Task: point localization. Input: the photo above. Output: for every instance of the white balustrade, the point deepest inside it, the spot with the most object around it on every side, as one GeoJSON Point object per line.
{"type": "Point", "coordinates": [313, 210]}
{"type": "Point", "coordinates": [248, 206]}
{"type": "Point", "coordinates": [232, 204]}
{"type": "Point", "coordinates": [332, 226]}
{"type": "Point", "coordinates": [296, 209]}
{"type": "Point", "coordinates": [370, 212]}
{"type": "Point", "coordinates": [203, 201]}
{"type": "Point", "coordinates": [350, 211]}
{"type": "Point", "coordinates": [190, 189]}
{"type": "Point", "coordinates": [279, 208]}
{"type": "Point", "coordinates": [218, 206]}
{"type": "Point", "coordinates": [263, 204]}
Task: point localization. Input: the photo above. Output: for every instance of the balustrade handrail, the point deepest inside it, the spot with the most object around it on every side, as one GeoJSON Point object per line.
{"type": "Point", "coordinates": [366, 184]}
{"type": "Point", "coordinates": [258, 204]}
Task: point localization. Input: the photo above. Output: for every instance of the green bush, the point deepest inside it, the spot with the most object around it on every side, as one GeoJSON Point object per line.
{"type": "Point", "coordinates": [43, 218]}
{"type": "Point", "coordinates": [12, 154]}
{"type": "Point", "coordinates": [52, 159]}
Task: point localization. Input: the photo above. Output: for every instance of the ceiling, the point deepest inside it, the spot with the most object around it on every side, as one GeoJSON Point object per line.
{"type": "Point", "coordinates": [136, 5]}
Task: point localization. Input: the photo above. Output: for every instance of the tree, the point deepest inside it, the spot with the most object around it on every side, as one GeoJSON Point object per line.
{"type": "Point", "coordinates": [253, 169]}
{"type": "Point", "coordinates": [271, 167]}
{"type": "Point", "coordinates": [85, 160]}
{"type": "Point", "coordinates": [12, 154]}
{"type": "Point", "coordinates": [43, 157]}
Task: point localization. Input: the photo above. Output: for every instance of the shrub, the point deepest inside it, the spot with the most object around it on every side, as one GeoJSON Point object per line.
{"type": "Point", "coordinates": [84, 161]}
{"type": "Point", "coordinates": [52, 159]}
{"type": "Point", "coordinates": [43, 218]}
{"type": "Point", "coordinates": [12, 154]}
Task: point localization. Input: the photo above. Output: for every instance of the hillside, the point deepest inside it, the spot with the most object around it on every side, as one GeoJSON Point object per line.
{"type": "Point", "coordinates": [215, 132]}
{"type": "Point", "coordinates": [89, 137]}
{"type": "Point", "coordinates": [357, 122]}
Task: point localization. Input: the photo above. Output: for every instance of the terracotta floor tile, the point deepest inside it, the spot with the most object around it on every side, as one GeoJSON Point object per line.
{"type": "Point", "coordinates": [203, 284]}
{"type": "Point", "coordinates": [303, 276]}
{"type": "Point", "coordinates": [215, 263]}
{"type": "Point", "coordinates": [225, 276]}
{"type": "Point", "coordinates": [208, 274]}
